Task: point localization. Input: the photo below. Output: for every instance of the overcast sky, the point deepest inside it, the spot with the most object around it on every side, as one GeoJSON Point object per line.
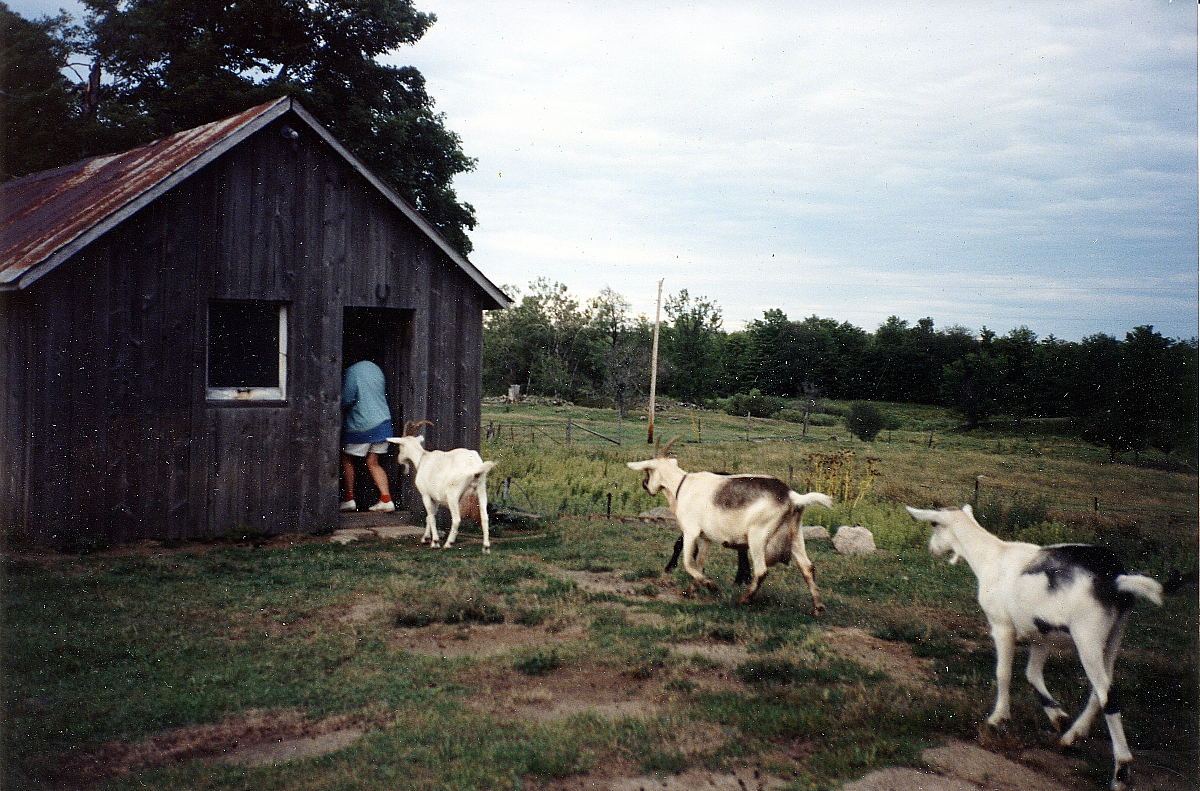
{"type": "Point", "coordinates": [983, 163]}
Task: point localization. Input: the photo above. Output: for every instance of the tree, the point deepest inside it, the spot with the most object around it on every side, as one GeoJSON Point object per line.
{"type": "Point", "coordinates": [692, 346]}
{"type": "Point", "coordinates": [972, 386]}
{"type": "Point", "coordinates": [174, 64]}
{"type": "Point", "coordinates": [38, 128]}
{"type": "Point", "coordinates": [1138, 393]}
{"type": "Point", "coordinates": [622, 350]}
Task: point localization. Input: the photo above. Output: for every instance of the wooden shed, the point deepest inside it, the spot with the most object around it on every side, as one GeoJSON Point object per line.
{"type": "Point", "coordinates": [174, 321]}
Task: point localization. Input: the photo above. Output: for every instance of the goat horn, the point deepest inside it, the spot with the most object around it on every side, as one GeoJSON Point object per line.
{"type": "Point", "coordinates": [411, 426]}
{"type": "Point", "coordinates": [661, 453]}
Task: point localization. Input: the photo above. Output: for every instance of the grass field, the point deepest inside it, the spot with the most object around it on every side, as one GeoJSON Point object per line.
{"type": "Point", "coordinates": [565, 659]}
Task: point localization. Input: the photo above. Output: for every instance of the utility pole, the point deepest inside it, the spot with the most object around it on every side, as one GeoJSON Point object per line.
{"type": "Point", "coordinates": [653, 368]}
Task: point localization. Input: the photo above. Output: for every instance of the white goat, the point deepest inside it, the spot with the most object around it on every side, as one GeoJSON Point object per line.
{"type": "Point", "coordinates": [444, 477]}
{"type": "Point", "coordinates": [1031, 592]}
{"type": "Point", "coordinates": [754, 511]}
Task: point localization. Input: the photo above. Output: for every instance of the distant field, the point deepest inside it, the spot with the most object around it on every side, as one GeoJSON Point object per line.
{"type": "Point", "coordinates": [1039, 467]}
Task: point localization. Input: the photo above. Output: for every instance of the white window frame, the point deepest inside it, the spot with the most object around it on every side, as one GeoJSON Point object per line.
{"type": "Point", "coordinates": [256, 393]}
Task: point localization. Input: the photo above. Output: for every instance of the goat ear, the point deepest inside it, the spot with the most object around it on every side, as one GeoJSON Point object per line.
{"type": "Point", "coordinates": [396, 440]}
{"type": "Point", "coordinates": [921, 515]}
{"type": "Point", "coordinates": [636, 465]}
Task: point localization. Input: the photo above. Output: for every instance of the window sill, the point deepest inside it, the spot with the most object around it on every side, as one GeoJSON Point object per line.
{"type": "Point", "coordinates": [241, 403]}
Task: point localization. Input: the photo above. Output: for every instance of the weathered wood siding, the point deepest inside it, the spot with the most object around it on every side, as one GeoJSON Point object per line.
{"type": "Point", "coordinates": [107, 425]}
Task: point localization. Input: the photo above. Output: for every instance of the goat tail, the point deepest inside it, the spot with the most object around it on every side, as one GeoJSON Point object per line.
{"type": "Point", "coordinates": [1141, 585]}
{"type": "Point", "coordinates": [812, 498]}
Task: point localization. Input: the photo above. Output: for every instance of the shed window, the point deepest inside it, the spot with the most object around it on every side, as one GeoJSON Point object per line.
{"type": "Point", "coordinates": [247, 351]}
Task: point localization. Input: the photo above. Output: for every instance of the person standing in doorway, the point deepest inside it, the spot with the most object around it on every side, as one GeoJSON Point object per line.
{"type": "Point", "coordinates": [366, 425]}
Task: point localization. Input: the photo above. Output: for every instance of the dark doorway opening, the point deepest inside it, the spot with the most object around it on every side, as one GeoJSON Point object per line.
{"type": "Point", "coordinates": [381, 335]}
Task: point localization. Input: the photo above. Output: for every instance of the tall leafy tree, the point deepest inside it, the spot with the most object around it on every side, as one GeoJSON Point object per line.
{"type": "Point", "coordinates": [692, 345]}
{"type": "Point", "coordinates": [38, 127]}
{"type": "Point", "coordinates": [169, 65]}
{"type": "Point", "coordinates": [972, 386]}
{"type": "Point", "coordinates": [621, 351]}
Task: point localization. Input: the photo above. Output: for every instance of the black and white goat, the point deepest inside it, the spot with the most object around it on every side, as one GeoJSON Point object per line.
{"type": "Point", "coordinates": [757, 512]}
{"type": "Point", "coordinates": [1030, 592]}
{"type": "Point", "coordinates": [452, 478]}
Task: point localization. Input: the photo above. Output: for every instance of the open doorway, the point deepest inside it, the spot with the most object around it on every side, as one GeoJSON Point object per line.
{"type": "Point", "coordinates": [381, 335]}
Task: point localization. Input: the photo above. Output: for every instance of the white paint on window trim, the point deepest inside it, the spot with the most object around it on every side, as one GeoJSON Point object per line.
{"type": "Point", "coordinates": [260, 393]}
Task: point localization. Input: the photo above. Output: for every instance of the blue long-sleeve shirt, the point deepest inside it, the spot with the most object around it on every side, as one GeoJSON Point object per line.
{"type": "Point", "coordinates": [366, 416]}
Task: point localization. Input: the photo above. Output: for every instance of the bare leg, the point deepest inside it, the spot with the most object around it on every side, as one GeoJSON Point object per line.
{"type": "Point", "coordinates": [1005, 641]}
{"type": "Point", "coordinates": [377, 474]}
{"type": "Point", "coordinates": [347, 476]}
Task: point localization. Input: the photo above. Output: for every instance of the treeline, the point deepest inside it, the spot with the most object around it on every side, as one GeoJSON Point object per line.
{"type": "Point", "coordinates": [1127, 394]}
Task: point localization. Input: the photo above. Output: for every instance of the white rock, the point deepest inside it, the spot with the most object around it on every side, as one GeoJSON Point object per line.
{"type": "Point", "coordinates": [854, 540]}
{"type": "Point", "coordinates": [815, 531]}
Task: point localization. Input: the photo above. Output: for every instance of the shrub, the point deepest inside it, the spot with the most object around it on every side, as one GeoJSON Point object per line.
{"type": "Point", "coordinates": [865, 421]}
{"type": "Point", "coordinates": [754, 403]}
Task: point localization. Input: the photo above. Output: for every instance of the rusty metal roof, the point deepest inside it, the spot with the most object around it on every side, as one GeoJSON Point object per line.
{"type": "Point", "coordinates": [54, 213]}
{"type": "Point", "coordinates": [47, 217]}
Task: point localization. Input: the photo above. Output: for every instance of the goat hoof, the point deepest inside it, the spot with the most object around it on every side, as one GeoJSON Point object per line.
{"type": "Point", "coordinates": [818, 609]}
{"type": "Point", "coordinates": [1121, 779]}
{"type": "Point", "coordinates": [487, 550]}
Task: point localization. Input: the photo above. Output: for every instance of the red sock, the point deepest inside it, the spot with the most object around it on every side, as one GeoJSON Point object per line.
{"type": "Point", "coordinates": [347, 498]}
{"type": "Point", "coordinates": [385, 498]}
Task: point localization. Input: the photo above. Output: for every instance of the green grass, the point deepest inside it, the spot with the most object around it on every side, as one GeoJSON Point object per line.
{"type": "Point", "coordinates": [122, 648]}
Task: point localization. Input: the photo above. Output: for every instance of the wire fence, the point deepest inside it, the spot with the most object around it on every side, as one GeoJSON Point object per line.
{"type": "Point", "coordinates": [571, 432]}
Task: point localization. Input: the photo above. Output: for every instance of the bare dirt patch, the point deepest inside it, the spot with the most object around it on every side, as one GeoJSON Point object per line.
{"type": "Point", "coordinates": [363, 611]}
{"type": "Point", "coordinates": [255, 735]}
{"type": "Point", "coordinates": [895, 659]}
{"type": "Point", "coordinates": [961, 766]}
{"type": "Point", "coordinates": [449, 641]}
{"type": "Point", "coordinates": [742, 779]}
{"type": "Point", "coordinates": [574, 689]}
{"type": "Point", "coordinates": [610, 583]}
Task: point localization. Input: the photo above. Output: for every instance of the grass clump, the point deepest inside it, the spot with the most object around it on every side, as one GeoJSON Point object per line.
{"type": "Point", "coordinates": [446, 604]}
{"type": "Point", "coordinates": [538, 662]}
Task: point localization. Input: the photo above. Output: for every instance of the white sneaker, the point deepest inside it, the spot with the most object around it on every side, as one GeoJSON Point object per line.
{"type": "Point", "coordinates": [390, 505]}
{"type": "Point", "coordinates": [348, 505]}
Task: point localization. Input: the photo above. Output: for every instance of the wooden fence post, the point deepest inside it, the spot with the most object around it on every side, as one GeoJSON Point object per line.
{"type": "Point", "coordinates": [568, 431]}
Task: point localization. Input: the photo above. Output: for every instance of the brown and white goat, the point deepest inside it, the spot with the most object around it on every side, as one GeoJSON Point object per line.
{"type": "Point", "coordinates": [455, 478]}
{"type": "Point", "coordinates": [757, 512]}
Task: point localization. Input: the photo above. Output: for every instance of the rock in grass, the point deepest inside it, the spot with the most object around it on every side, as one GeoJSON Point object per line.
{"type": "Point", "coordinates": [815, 531]}
{"type": "Point", "coordinates": [854, 540]}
